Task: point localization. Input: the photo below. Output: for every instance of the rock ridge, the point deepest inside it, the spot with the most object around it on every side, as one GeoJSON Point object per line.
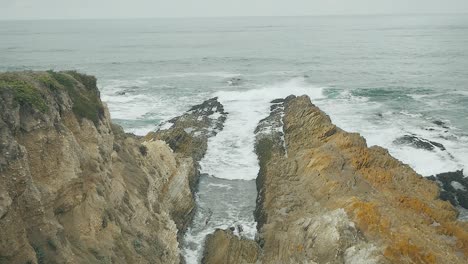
{"type": "Point", "coordinates": [324, 196]}
{"type": "Point", "coordinates": [75, 188]}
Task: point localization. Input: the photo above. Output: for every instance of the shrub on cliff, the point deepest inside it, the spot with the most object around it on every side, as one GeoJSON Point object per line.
{"type": "Point", "coordinates": [24, 93]}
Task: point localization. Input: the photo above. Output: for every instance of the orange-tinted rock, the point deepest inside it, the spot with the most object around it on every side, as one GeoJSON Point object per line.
{"type": "Point", "coordinates": [395, 211]}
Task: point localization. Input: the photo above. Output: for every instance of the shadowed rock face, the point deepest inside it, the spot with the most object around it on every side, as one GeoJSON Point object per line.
{"type": "Point", "coordinates": [188, 136]}
{"type": "Point", "coordinates": [75, 188]}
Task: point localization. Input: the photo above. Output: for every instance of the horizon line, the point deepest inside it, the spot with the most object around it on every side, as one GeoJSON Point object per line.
{"type": "Point", "coordinates": [236, 16]}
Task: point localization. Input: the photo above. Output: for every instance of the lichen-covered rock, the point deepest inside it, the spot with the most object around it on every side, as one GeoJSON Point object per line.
{"type": "Point", "coordinates": [325, 197]}
{"type": "Point", "coordinates": [75, 188]}
{"type": "Point", "coordinates": [224, 247]}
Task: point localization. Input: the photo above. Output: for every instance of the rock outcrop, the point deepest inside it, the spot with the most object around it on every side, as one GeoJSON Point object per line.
{"type": "Point", "coordinates": [74, 188]}
{"type": "Point", "coordinates": [454, 187]}
{"type": "Point", "coordinates": [224, 247]}
{"type": "Point", "coordinates": [188, 134]}
{"type": "Point", "coordinates": [325, 197]}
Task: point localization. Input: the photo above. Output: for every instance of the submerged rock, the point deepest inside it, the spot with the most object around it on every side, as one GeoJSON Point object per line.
{"type": "Point", "coordinates": [234, 81]}
{"type": "Point", "coordinates": [418, 142]}
{"type": "Point", "coordinates": [441, 124]}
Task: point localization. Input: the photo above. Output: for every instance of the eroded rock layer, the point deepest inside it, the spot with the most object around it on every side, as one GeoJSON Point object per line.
{"type": "Point", "coordinates": [74, 188]}
{"type": "Point", "coordinates": [326, 197]}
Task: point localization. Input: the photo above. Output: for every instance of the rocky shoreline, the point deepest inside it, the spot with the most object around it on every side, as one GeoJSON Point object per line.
{"type": "Point", "coordinates": [75, 188]}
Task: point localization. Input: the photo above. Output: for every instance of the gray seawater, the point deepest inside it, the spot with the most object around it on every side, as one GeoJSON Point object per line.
{"type": "Point", "coordinates": [381, 76]}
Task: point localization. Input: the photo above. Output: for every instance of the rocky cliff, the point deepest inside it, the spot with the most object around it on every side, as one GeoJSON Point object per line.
{"type": "Point", "coordinates": [74, 188]}
{"type": "Point", "coordinates": [324, 196]}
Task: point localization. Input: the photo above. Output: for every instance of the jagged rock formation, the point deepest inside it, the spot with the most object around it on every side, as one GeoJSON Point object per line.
{"type": "Point", "coordinates": [189, 133]}
{"type": "Point", "coordinates": [74, 188]}
{"type": "Point", "coordinates": [332, 199]}
{"type": "Point", "coordinates": [324, 196]}
{"type": "Point", "coordinates": [225, 247]}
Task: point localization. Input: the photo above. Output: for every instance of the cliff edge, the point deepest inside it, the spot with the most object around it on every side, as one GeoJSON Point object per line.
{"type": "Point", "coordinates": [74, 188]}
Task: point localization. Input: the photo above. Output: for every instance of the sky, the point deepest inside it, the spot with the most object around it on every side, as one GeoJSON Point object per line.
{"type": "Point", "coordinates": [80, 9]}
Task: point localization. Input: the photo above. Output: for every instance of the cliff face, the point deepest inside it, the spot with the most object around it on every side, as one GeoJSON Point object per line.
{"type": "Point", "coordinates": [74, 188]}
{"type": "Point", "coordinates": [324, 196]}
{"type": "Point", "coordinates": [328, 198]}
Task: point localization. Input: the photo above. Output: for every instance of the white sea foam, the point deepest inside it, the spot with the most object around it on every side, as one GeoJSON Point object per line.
{"type": "Point", "coordinates": [231, 154]}
{"type": "Point", "coordinates": [362, 117]}
{"type": "Point", "coordinates": [457, 186]}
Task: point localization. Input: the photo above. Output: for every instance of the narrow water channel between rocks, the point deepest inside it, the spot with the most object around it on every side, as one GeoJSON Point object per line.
{"type": "Point", "coordinates": [227, 191]}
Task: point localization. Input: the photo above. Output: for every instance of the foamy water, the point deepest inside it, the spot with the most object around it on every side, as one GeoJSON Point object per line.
{"type": "Point", "coordinates": [231, 159]}
{"type": "Point", "coordinates": [380, 126]}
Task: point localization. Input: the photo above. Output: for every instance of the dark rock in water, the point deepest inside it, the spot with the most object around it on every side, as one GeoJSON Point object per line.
{"type": "Point", "coordinates": [235, 81]}
{"type": "Point", "coordinates": [277, 101]}
{"type": "Point", "coordinates": [419, 143]}
{"type": "Point", "coordinates": [440, 123]}
{"type": "Point", "coordinates": [121, 93]}
{"type": "Point", "coordinates": [380, 115]}
{"type": "Point", "coordinates": [454, 187]}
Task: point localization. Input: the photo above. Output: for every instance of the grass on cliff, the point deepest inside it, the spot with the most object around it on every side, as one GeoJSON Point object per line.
{"type": "Point", "coordinates": [86, 102]}
{"type": "Point", "coordinates": [85, 99]}
{"type": "Point", "coordinates": [24, 93]}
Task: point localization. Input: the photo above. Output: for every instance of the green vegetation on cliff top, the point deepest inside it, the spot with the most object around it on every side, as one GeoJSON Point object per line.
{"type": "Point", "coordinates": [86, 102]}
{"type": "Point", "coordinates": [24, 93]}
{"type": "Point", "coordinates": [85, 97]}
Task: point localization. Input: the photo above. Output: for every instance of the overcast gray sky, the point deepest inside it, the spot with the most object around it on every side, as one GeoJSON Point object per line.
{"type": "Point", "coordinates": [52, 9]}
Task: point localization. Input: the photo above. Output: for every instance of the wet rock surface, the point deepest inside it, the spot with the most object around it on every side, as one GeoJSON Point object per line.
{"type": "Point", "coordinates": [420, 143]}
{"type": "Point", "coordinates": [454, 187]}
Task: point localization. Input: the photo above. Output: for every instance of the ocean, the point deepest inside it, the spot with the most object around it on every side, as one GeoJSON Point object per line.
{"type": "Point", "coordinates": [400, 81]}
